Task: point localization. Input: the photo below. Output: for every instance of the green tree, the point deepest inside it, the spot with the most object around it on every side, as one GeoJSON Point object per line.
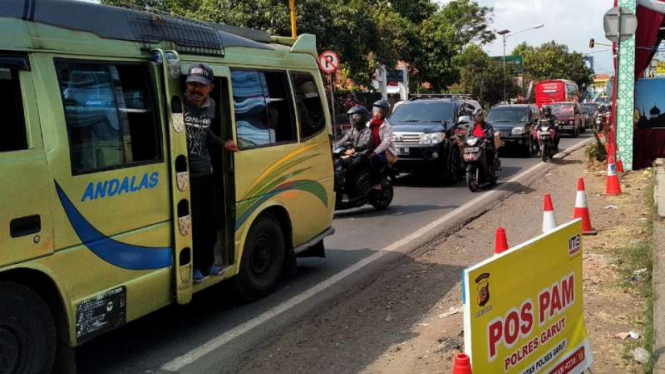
{"type": "Point", "coordinates": [483, 77]}
{"type": "Point", "coordinates": [554, 61]}
{"type": "Point", "coordinates": [445, 34]}
{"type": "Point", "coordinates": [365, 33]}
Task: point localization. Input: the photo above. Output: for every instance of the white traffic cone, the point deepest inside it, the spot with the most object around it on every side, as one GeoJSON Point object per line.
{"type": "Point", "coordinates": [549, 221]}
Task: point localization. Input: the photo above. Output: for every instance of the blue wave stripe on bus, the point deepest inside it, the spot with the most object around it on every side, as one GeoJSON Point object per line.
{"type": "Point", "coordinates": [122, 255]}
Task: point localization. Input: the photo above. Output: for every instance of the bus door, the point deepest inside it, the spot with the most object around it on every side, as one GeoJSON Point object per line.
{"type": "Point", "coordinates": [179, 175]}
{"type": "Point", "coordinates": [25, 217]}
{"type": "Point", "coordinates": [223, 165]}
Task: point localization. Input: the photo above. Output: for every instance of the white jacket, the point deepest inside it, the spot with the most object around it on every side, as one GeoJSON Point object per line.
{"type": "Point", "coordinates": [386, 135]}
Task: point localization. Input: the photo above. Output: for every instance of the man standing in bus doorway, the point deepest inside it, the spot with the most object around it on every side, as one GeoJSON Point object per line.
{"type": "Point", "coordinates": [199, 113]}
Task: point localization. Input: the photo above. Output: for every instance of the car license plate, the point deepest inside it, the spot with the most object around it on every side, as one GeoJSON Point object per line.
{"type": "Point", "coordinates": [471, 150]}
{"type": "Point", "coordinates": [402, 151]}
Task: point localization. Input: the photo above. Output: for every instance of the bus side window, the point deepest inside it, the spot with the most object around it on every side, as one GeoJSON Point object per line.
{"type": "Point", "coordinates": [109, 113]}
{"type": "Point", "coordinates": [308, 101]}
{"type": "Point", "coordinates": [263, 108]}
{"type": "Point", "coordinates": [11, 106]}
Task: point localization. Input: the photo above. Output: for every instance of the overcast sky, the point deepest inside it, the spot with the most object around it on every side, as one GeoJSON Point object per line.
{"type": "Point", "coordinates": [570, 22]}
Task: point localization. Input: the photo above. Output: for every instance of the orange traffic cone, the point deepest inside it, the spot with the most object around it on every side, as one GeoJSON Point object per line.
{"type": "Point", "coordinates": [619, 163]}
{"type": "Point", "coordinates": [612, 182]}
{"type": "Point", "coordinates": [549, 221]}
{"type": "Point", "coordinates": [501, 242]}
{"type": "Point", "coordinates": [582, 210]}
{"type": "Point", "coordinates": [462, 364]}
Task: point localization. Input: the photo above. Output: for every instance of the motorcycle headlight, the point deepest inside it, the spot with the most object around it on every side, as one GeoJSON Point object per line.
{"type": "Point", "coordinates": [471, 141]}
{"type": "Point", "coordinates": [571, 122]}
{"type": "Point", "coordinates": [518, 130]}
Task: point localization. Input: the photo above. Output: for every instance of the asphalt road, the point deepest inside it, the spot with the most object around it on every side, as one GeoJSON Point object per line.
{"type": "Point", "coordinates": [160, 340]}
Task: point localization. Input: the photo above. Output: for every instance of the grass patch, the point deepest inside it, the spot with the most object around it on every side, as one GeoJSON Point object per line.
{"type": "Point", "coordinates": [636, 264]}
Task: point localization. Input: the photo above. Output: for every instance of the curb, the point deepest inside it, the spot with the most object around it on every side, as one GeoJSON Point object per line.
{"type": "Point", "coordinates": [659, 270]}
{"type": "Point", "coordinates": [489, 200]}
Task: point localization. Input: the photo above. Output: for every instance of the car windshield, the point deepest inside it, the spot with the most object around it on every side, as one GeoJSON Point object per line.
{"type": "Point", "coordinates": [423, 112]}
{"type": "Point", "coordinates": [589, 108]}
{"type": "Point", "coordinates": [508, 115]}
{"type": "Point", "coordinates": [562, 109]}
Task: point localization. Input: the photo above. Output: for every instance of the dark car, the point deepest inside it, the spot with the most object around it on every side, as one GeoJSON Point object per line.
{"type": "Point", "coordinates": [590, 111]}
{"type": "Point", "coordinates": [569, 118]}
{"type": "Point", "coordinates": [341, 126]}
{"type": "Point", "coordinates": [423, 127]}
{"type": "Point", "coordinates": [514, 124]}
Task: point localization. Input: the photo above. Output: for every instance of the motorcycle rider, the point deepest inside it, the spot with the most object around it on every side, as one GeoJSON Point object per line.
{"type": "Point", "coordinates": [359, 137]}
{"type": "Point", "coordinates": [482, 129]}
{"type": "Point", "coordinates": [359, 134]}
{"type": "Point", "coordinates": [383, 148]}
{"type": "Point", "coordinates": [550, 120]}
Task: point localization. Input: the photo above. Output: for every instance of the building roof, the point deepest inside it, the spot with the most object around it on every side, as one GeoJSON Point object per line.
{"type": "Point", "coordinates": [133, 25]}
{"type": "Point", "coordinates": [655, 111]}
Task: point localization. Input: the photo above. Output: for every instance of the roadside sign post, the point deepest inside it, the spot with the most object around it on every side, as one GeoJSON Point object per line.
{"type": "Point", "coordinates": [329, 64]}
{"type": "Point", "coordinates": [620, 24]}
{"type": "Point", "coordinates": [531, 320]}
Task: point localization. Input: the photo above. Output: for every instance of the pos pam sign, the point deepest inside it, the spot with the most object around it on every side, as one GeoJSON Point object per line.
{"type": "Point", "coordinates": [523, 311]}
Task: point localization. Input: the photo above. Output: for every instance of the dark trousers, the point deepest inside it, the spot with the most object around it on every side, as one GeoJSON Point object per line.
{"type": "Point", "coordinates": [378, 163]}
{"type": "Point", "coordinates": [354, 166]}
{"type": "Point", "coordinates": [204, 232]}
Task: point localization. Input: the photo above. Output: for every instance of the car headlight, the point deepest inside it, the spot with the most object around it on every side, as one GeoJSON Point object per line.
{"type": "Point", "coordinates": [518, 130]}
{"type": "Point", "coordinates": [433, 138]}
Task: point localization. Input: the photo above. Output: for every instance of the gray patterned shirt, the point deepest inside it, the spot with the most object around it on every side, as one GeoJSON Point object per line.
{"type": "Point", "coordinates": [199, 135]}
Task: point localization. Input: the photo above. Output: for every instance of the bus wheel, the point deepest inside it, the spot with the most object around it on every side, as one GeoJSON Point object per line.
{"type": "Point", "coordinates": [262, 258]}
{"type": "Point", "coordinates": [27, 331]}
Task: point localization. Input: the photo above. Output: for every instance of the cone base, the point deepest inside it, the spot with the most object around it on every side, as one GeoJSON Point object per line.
{"type": "Point", "coordinates": [590, 232]}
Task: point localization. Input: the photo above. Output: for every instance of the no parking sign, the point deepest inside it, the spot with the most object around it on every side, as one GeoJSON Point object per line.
{"type": "Point", "coordinates": [329, 62]}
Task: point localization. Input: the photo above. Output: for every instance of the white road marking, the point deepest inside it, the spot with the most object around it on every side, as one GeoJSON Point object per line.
{"type": "Point", "coordinates": [217, 342]}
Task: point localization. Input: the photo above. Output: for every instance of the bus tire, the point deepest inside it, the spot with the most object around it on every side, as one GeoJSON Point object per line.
{"type": "Point", "coordinates": [262, 259]}
{"type": "Point", "coordinates": [27, 331]}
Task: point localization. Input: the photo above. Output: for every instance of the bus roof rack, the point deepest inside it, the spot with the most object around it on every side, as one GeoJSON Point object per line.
{"type": "Point", "coordinates": [440, 96]}
{"type": "Point", "coordinates": [137, 24]}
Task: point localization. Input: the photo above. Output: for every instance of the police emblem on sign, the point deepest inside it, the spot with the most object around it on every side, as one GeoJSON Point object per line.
{"type": "Point", "coordinates": [483, 286]}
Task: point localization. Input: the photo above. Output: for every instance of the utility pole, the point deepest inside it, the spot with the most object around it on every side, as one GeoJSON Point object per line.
{"type": "Point", "coordinates": [292, 7]}
{"type": "Point", "coordinates": [505, 34]}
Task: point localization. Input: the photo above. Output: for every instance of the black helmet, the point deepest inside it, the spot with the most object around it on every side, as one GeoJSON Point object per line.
{"type": "Point", "coordinates": [358, 115]}
{"type": "Point", "coordinates": [383, 104]}
{"type": "Point", "coordinates": [547, 110]}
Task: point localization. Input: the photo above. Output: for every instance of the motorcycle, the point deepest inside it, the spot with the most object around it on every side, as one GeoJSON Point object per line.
{"type": "Point", "coordinates": [478, 174]}
{"type": "Point", "coordinates": [599, 121]}
{"type": "Point", "coordinates": [355, 193]}
{"type": "Point", "coordinates": [546, 141]}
